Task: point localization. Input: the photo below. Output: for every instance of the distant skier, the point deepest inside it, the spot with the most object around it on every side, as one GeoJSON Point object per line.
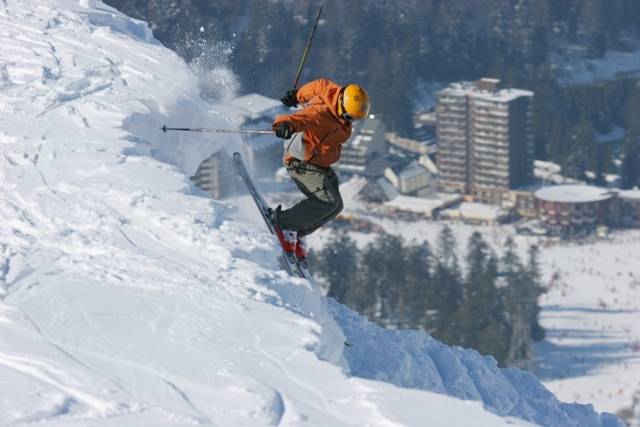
{"type": "Point", "coordinates": [313, 142]}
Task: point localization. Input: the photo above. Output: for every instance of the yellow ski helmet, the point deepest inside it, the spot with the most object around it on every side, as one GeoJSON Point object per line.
{"type": "Point", "coordinates": [354, 102]}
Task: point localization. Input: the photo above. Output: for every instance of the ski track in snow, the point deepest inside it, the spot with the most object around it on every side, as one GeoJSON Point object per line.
{"type": "Point", "coordinates": [127, 298]}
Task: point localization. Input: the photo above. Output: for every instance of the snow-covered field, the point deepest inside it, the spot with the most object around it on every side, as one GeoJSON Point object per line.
{"type": "Point", "coordinates": [127, 298]}
{"type": "Point", "coordinates": [592, 314]}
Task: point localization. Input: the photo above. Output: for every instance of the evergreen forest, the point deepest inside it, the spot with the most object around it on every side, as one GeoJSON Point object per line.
{"type": "Point", "coordinates": [489, 304]}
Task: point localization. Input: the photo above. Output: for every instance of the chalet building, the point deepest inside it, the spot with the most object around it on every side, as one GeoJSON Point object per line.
{"type": "Point", "coordinates": [418, 177]}
{"type": "Point", "coordinates": [485, 143]}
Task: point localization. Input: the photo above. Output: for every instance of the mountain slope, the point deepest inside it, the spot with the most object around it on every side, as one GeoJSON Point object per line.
{"type": "Point", "coordinates": [127, 298]}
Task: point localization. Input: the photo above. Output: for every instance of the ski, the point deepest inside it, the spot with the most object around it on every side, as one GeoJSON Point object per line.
{"type": "Point", "coordinates": [295, 267]}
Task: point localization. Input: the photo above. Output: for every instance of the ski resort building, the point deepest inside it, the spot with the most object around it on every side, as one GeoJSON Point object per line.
{"type": "Point", "coordinates": [213, 176]}
{"type": "Point", "coordinates": [485, 143]}
{"type": "Point", "coordinates": [365, 153]}
{"type": "Point", "coordinates": [573, 208]}
{"type": "Point", "coordinates": [418, 177]}
{"type": "Point", "coordinates": [476, 213]}
{"type": "Point", "coordinates": [629, 208]}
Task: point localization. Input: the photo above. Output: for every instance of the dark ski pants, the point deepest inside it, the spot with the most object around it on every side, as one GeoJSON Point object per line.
{"type": "Point", "coordinates": [323, 202]}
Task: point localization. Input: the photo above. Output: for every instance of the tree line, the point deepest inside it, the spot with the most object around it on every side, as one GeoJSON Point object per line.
{"type": "Point", "coordinates": [490, 304]}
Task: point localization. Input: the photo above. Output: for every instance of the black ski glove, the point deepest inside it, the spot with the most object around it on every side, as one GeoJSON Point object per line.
{"type": "Point", "coordinates": [290, 99]}
{"type": "Point", "coordinates": [283, 130]}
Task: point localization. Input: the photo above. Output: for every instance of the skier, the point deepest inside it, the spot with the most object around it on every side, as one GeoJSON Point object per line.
{"type": "Point", "coordinates": [313, 138]}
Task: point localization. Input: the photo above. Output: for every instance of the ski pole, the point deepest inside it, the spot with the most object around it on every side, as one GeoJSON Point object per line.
{"type": "Point", "coordinates": [306, 49]}
{"type": "Point", "coordinates": [165, 129]}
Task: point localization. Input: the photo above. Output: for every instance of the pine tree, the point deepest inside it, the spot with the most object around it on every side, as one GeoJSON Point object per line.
{"type": "Point", "coordinates": [534, 290]}
{"type": "Point", "coordinates": [582, 152]}
{"type": "Point", "coordinates": [447, 286]}
{"type": "Point", "coordinates": [591, 27]}
{"type": "Point", "coordinates": [384, 273]}
{"type": "Point", "coordinates": [337, 263]}
{"type": "Point", "coordinates": [483, 325]}
{"type": "Point", "coordinates": [419, 292]}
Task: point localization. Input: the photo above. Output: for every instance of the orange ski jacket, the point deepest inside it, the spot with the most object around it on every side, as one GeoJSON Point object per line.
{"type": "Point", "coordinates": [324, 130]}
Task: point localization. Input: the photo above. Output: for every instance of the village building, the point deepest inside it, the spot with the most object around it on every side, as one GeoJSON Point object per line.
{"type": "Point", "coordinates": [417, 177]}
{"type": "Point", "coordinates": [629, 208]}
{"type": "Point", "coordinates": [571, 209]}
{"type": "Point", "coordinates": [476, 213]}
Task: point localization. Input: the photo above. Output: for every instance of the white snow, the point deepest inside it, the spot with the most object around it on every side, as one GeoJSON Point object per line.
{"type": "Point", "coordinates": [471, 89]}
{"type": "Point", "coordinates": [127, 298]}
{"type": "Point", "coordinates": [504, 95]}
{"type": "Point", "coordinates": [592, 314]}
{"type": "Point", "coordinates": [476, 211]}
{"type": "Point", "coordinates": [630, 194]}
{"type": "Point", "coordinates": [572, 68]}
{"type": "Point", "coordinates": [256, 105]}
{"type": "Point", "coordinates": [573, 194]}
{"type": "Point", "coordinates": [422, 205]}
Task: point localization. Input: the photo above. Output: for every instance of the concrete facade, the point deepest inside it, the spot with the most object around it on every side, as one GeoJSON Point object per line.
{"type": "Point", "coordinates": [365, 153]}
{"type": "Point", "coordinates": [485, 143]}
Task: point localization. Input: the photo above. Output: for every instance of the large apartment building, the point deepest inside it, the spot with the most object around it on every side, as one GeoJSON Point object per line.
{"type": "Point", "coordinates": [365, 153]}
{"type": "Point", "coordinates": [485, 144]}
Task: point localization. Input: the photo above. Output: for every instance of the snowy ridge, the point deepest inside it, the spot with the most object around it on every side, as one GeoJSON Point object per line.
{"type": "Point", "coordinates": [414, 359]}
{"type": "Point", "coordinates": [126, 298]}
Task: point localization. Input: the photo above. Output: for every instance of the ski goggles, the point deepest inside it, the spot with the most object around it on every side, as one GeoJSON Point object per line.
{"type": "Point", "coordinates": [348, 117]}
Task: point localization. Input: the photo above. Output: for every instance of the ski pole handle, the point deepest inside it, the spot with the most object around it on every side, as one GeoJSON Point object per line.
{"type": "Point", "coordinates": [165, 128]}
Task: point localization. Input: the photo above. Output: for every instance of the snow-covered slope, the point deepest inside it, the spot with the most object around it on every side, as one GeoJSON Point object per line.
{"type": "Point", "coordinates": [127, 298]}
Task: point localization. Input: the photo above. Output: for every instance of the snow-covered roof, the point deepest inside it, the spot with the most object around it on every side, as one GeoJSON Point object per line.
{"type": "Point", "coordinates": [410, 170]}
{"type": "Point", "coordinates": [350, 189]}
{"type": "Point", "coordinates": [573, 194]}
{"type": "Point", "coordinates": [256, 104]}
{"type": "Point", "coordinates": [476, 211]}
{"type": "Point", "coordinates": [504, 95]}
{"type": "Point", "coordinates": [422, 205]}
{"type": "Point", "coordinates": [389, 190]}
{"type": "Point", "coordinates": [471, 89]}
{"type": "Point", "coordinates": [630, 194]}
{"type": "Point", "coordinates": [426, 162]}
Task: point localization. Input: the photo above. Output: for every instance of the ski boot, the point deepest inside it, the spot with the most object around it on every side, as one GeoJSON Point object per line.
{"type": "Point", "coordinates": [287, 238]}
{"type": "Point", "coordinates": [301, 248]}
